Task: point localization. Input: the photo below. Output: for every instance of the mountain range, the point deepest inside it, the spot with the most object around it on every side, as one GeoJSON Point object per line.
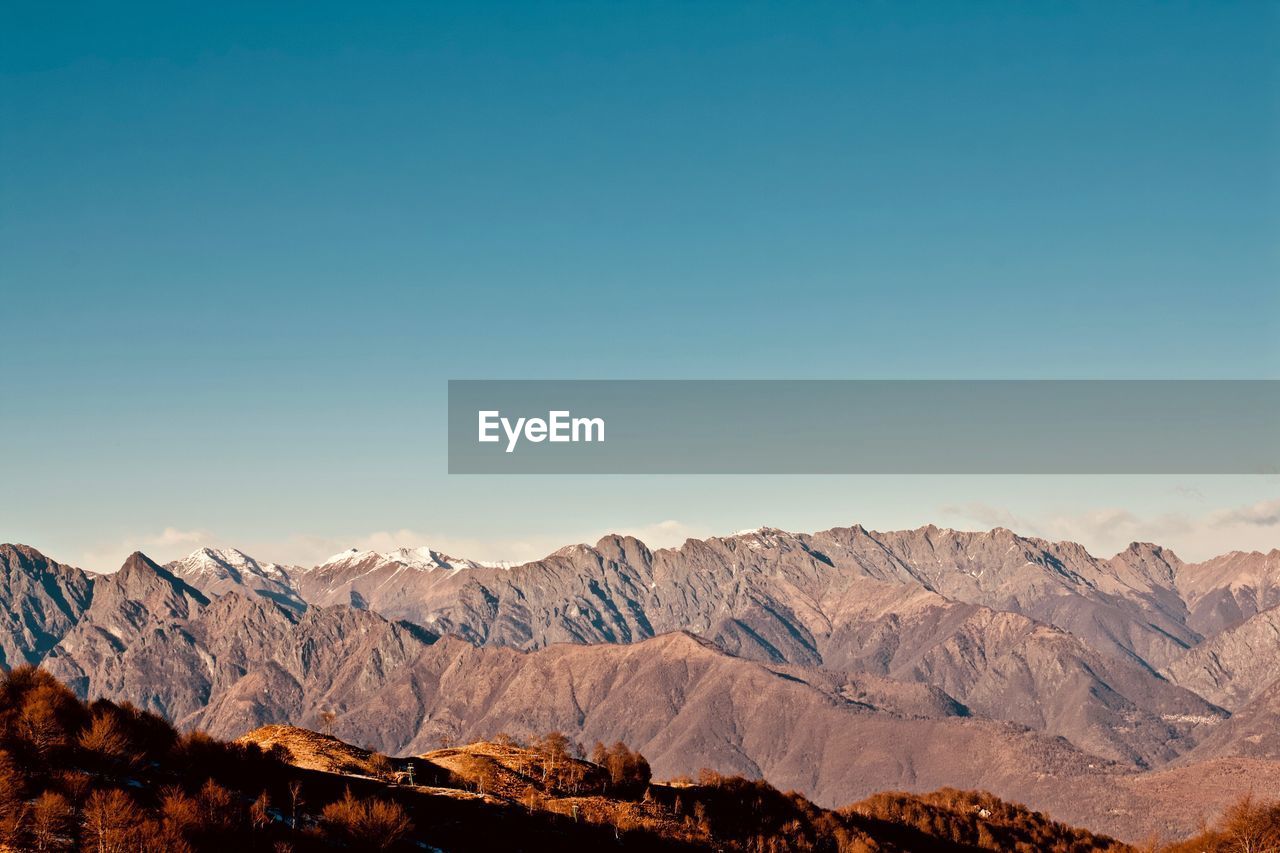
{"type": "Point", "coordinates": [838, 663]}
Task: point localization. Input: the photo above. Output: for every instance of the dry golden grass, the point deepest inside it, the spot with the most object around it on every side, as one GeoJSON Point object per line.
{"type": "Point", "coordinates": [509, 771]}
{"type": "Point", "coordinates": [314, 751]}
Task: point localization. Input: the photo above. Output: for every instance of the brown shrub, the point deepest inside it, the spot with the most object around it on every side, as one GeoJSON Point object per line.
{"type": "Point", "coordinates": [381, 766]}
{"type": "Point", "coordinates": [367, 823]}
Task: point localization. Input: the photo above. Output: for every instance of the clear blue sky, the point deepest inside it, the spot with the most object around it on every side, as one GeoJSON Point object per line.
{"type": "Point", "coordinates": [242, 246]}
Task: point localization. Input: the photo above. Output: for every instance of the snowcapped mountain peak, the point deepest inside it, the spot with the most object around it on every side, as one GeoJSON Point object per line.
{"type": "Point", "coordinates": [215, 571]}
{"type": "Point", "coordinates": [230, 563]}
{"type": "Point", "coordinates": [762, 533]}
{"type": "Point", "coordinates": [423, 558]}
{"type": "Point", "coordinates": [343, 556]}
{"type": "Point", "coordinates": [226, 556]}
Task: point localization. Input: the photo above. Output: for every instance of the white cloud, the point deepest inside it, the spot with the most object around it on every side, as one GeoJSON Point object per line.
{"type": "Point", "coordinates": [169, 544]}
{"type": "Point", "coordinates": [663, 534]}
{"type": "Point", "coordinates": [174, 536]}
{"type": "Point", "coordinates": [987, 516]}
{"type": "Point", "coordinates": [1260, 514]}
{"type": "Point", "coordinates": [1108, 530]}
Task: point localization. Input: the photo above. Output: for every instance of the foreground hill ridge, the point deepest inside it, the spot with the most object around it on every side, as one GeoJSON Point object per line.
{"type": "Point", "coordinates": [105, 776]}
{"type": "Point", "coordinates": [839, 663]}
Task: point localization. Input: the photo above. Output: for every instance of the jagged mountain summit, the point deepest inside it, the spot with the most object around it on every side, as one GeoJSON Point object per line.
{"type": "Point", "coordinates": [779, 592]}
{"type": "Point", "coordinates": [217, 571]}
{"type": "Point", "coordinates": [1144, 603]}
{"type": "Point", "coordinates": [424, 558]}
{"type": "Point", "coordinates": [366, 579]}
{"type": "Point", "coordinates": [40, 601]}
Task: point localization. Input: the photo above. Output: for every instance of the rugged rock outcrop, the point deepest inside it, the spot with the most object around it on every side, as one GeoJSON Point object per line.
{"type": "Point", "coordinates": [40, 601]}
{"type": "Point", "coordinates": [1235, 666]}
{"type": "Point", "coordinates": [1225, 591]}
{"type": "Point", "coordinates": [782, 589]}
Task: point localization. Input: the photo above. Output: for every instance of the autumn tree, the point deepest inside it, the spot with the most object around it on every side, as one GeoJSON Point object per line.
{"type": "Point", "coordinates": [627, 768]}
{"type": "Point", "coordinates": [217, 806]}
{"type": "Point", "coordinates": [51, 823]}
{"type": "Point", "coordinates": [106, 737]}
{"type": "Point", "coordinates": [14, 815]}
{"type": "Point", "coordinates": [76, 784]}
{"type": "Point", "coordinates": [39, 726]}
{"type": "Point", "coordinates": [111, 819]}
{"type": "Point", "coordinates": [381, 766]}
{"type": "Point", "coordinates": [295, 802]}
{"type": "Point", "coordinates": [260, 812]}
{"type": "Point", "coordinates": [531, 798]}
{"type": "Point", "coordinates": [1251, 827]}
{"type": "Point", "coordinates": [554, 749]}
{"type": "Point", "coordinates": [180, 813]}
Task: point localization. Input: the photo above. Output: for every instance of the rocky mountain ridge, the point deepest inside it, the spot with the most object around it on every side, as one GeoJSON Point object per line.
{"type": "Point", "coordinates": [839, 663]}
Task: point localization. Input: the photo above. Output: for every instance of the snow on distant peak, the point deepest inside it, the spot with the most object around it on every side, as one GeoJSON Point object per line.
{"type": "Point", "coordinates": [423, 558]}
{"type": "Point", "coordinates": [762, 532]}
{"type": "Point", "coordinates": [343, 556]}
{"type": "Point", "coordinates": [224, 562]}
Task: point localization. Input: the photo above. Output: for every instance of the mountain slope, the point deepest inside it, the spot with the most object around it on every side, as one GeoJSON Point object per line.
{"type": "Point", "coordinates": [1253, 731]}
{"type": "Point", "coordinates": [855, 602]}
{"type": "Point", "coordinates": [1234, 666]}
{"type": "Point", "coordinates": [215, 572]}
{"type": "Point", "coordinates": [40, 601]}
{"type": "Point", "coordinates": [1225, 591]}
{"type": "Point", "coordinates": [1005, 666]}
{"type": "Point", "coordinates": [232, 663]}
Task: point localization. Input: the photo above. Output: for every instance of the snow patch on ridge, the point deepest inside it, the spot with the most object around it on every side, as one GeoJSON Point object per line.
{"type": "Point", "coordinates": [425, 559]}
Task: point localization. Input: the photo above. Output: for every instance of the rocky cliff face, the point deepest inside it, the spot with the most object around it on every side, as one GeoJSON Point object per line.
{"type": "Point", "coordinates": [1235, 666]}
{"type": "Point", "coordinates": [1225, 591]}
{"type": "Point", "coordinates": [777, 591]}
{"type": "Point", "coordinates": [40, 601]}
{"type": "Point", "coordinates": [230, 662]}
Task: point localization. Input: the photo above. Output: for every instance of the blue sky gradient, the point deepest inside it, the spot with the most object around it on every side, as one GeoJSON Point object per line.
{"type": "Point", "coordinates": [242, 247]}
